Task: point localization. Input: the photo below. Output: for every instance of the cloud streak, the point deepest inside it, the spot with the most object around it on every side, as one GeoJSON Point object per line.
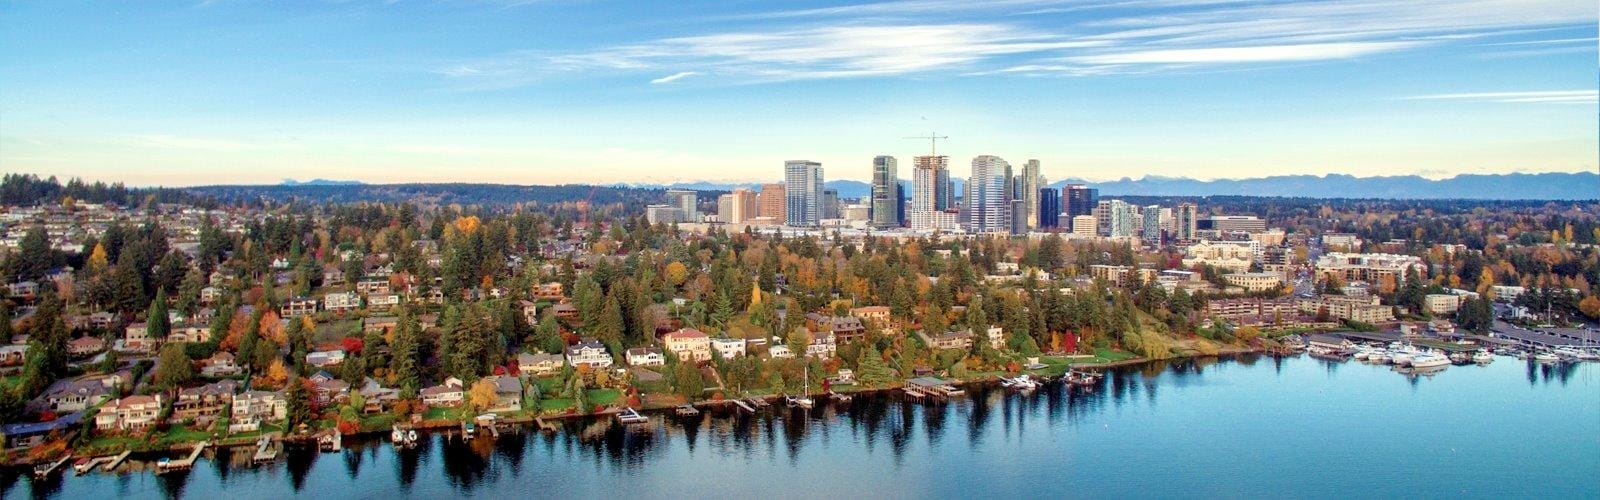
{"type": "Point", "coordinates": [1537, 96]}
{"type": "Point", "coordinates": [674, 77]}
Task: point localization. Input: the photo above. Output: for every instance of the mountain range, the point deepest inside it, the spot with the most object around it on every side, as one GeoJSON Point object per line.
{"type": "Point", "coordinates": [1540, 186]}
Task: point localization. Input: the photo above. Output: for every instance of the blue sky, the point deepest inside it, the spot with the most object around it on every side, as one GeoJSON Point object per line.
{"type": "Point", "coordinates": [562, 91]}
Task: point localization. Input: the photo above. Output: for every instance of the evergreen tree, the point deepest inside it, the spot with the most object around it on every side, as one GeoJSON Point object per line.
{"type": "Point", "coordinates": [157, 322]}
{"type": "Point", "coordinates": [298, 397]}
{"type": "Point", "coordinates": [174, 368]}
{"type": "Point", "coordinates": [33, 257]}
{"type": "Point", "coordinates": [609, 326]}
{"type": "Point", "coordinates": [871, 369]}
{"type": "Point", "coordinates": [404, 352]}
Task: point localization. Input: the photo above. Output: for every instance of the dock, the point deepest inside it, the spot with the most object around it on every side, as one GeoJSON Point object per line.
{"type": "Point", "coordinates": [45, 470]}
{"type": "Point", "coordinates": [183, 463]}
{"type": "Point", "coordinates": [757, 403]}
{"type": "Point", "coordinates": [631, 416]}
{"type": "Point", "coordinates": [266, 450]}
{"type": "Point", "coordinates": [117, 460]}
{"type": "Point", "coordinates": [546, 426]}
{"type": "Point", "coordinates": [687, 411]}
{"type": "Point", "coordinates": [743, 406]}
{"type": "Point", "coordinates": [914, 393]}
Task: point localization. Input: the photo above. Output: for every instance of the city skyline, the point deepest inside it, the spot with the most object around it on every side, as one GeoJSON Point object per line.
{"type": "Point", "coordinates": [522, 92]}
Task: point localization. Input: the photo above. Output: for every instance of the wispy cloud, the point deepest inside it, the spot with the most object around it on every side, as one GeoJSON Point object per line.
{"type": "Point", "coordinates": [1537, 96]}
{"type": "Point", "coordinates": [674, 77]}
{"type": "Point", "coordinates": [165, 141]}
{"type": "Point", "coordinates": [1022, 36]}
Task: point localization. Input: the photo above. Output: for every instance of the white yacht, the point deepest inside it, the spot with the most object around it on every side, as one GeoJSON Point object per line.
{"type": "Point", "coordinates": [1546, 357]}
{"type": "Point", "coordinates": [1483, 356]}
{"type": "Point", "coordinates": [1428, 360]}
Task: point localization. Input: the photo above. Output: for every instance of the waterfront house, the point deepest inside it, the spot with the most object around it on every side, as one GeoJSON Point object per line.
{"type": "Point", "coordinates": [589, 352]}
{"type": "Point", "coordinates": [823, 345]}
{"type": "Point", "coordinates": [74, 395]}
{"type": "Point", "coordinates": [24, 435]}
{"type": "Point", "coordinates": [132, 413]}
{"type": "Point", "coordinates": [961, 339]}
{"type": "Point", "coordinates": [447, 394]}
{"type": "Point", "coordinates": [253, 408]}
{"type": "Point", "coordinates": [507, 393]}
{"type": "Point", "coordinates": [539, 364]}
{"type": "Point", "coordinates": [688, 344]}
{"type": "Point", "coordinates": [376, 397]}
{"type": "Point", "coordinates": [203, 404]}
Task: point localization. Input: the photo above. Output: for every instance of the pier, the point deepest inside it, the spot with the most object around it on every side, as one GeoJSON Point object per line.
{"type": "Point", "coordinates": [743, 406]}
{"type": "Point", "coordinates": [182, 463]}
{"type": "Point", "coordinates": [44, 471]}
{"type": "Point", "coordinates": [266, 449]}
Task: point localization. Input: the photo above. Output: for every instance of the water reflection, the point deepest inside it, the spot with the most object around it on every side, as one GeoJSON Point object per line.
{"type": "Point", "coordinates": [883, 424]}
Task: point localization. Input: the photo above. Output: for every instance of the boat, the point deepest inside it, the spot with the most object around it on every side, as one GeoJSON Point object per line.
{"type": "Point", "coordinates": [397, 435]}
{"type": "Point", "coordinates": [1020, 382]}
{"type": "Point", "coordinates": [1080, 377]}
{"type": "Point", "coordinates": [1461, 357]}
{"type": "Point", "coordinates": [1546, 357]}
{"type": "Point", "coordinates": [83, 465]}
{"type": "Point", "coordinates": [686, 410]}
{"type": "Point", "coordinates": [469, 429]}
{"type": "Point", "coordinates": [1362, 354]}
{"type": "Point", "coordinates": [1483, 356]}
{"type": "Point", "coordinates": [1428, 360]}
{"type": "Point", "coordinates": [1379, 356]}
{"type": "Point", "coordinates": [411, 436]}
{"type": "Point", "coordinates": [803, 401]}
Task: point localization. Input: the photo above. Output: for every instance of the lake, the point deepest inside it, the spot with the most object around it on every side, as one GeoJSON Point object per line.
{"type": "Point", "coordinates": [1237, 427]}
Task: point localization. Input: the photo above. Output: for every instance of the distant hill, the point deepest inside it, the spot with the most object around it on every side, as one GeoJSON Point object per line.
{"type": "Point", "coordinates": [1544, 186]}
{"type": "Point", "coordinates": [434, 194]}
{"type": "Point", "coordinates": [319, 182]}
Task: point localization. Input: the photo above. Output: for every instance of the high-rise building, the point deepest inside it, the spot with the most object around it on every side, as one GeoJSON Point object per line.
{"type": "Point", "coordinates": [1049, 208]}
{"type": "Point", "coordinates": [1151, 230]}
{"type": "Point", "coordinates": [688, 203]}
{"type": "Point", "coordinates": [1032, 180]}
{"type": "Point", "coordinates": [772, 203]}
{"type": "Point", "coordinates": [899, 204]}
{"type": "Point", "coordinates": [1079, 200]}
{"type": "Point", "coordinates": [1115, 218]}
{"type": "Point", "coordinates": [1187, 222]}
{"type": "Point", "coordinates": [737, 207]}
{"type": "Point", "coordinates": [886, 200]}
{"type": "Point", "coordinates": [930, 179]}
{"type": "Point", "coordinates": [988, 197]}
{"type": "Point", "coordinates": [830, 204]}
{"type": "Point", "coordinates": [1085, 225]}
{"type": "Point", "coordinates": [802, 184]}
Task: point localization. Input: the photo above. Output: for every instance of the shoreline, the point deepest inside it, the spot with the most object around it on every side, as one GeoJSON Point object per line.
{"type": "Point", "coordinates": [434, 425]}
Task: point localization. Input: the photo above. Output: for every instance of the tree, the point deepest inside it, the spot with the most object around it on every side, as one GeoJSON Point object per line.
{"type": "Point", "coordinates": [1590, 306]}
{"type": "Point", "coordinates": [677, 273]}
{"type": "Point", "coordinates": [174, 368]}
{"type": "Point", "coordinates": [482, 394]}
{"type": "Point", "coordinates": [687, 378]}
{"type": "Point", "coordinates": [871, 370]}
{"type": "Point", "coordinates": [403, 353]}
{"type": "Point", "coordinates": [298, 398]}
{"type": "Point", "coordinates": [33, 257]}
{"type": "Point", "coordinates": [609, 326]}
{"type": "Point", "coordinates": [157, 322]}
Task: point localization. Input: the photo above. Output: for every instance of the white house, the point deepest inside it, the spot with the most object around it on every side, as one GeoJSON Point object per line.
{"type": "Point", "coordinates": [728, 348]}
{"type": "Point", "coordinates": [589, 352]}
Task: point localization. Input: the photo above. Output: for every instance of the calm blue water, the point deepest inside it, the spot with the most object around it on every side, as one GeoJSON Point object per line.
{"type": "Point", "coordinates": [1247, 427]}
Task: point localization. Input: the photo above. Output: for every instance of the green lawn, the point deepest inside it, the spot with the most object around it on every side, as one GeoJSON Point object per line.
{"type": "Point", "coordinates": [114, 444]}
{"type": "Point", "coordinates": [178, 434]}
{"type": "Point", "coordinates": [555, 404]}
{"type": "Point", "coordinates": [603, 396]}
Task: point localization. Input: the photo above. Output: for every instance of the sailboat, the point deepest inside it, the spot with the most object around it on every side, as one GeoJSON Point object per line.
{"type": "Point", "coordinates": [804, 401]}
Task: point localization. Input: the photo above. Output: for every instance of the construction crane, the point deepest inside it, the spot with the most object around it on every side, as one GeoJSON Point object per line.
{"type": "Point", "coordinates": [933, 141]}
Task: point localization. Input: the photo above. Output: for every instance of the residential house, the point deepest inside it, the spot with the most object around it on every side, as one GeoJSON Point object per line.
{"type": "Point", "coordinates": [844, 328]}
{"type": "Point", "coordinates": [879, 314]}
{"type": "Point", "coordinates": [589, 352]}
{"type": "Point", "coordinates": [85, 346]}
{"type": "Point", "coordinates": [539, 364]}
{"type": "Point", "coordinates": [530, 311]}
{"type": "Point", "coordinates": [779, 351]}
{"type": "Point", "coordinates": [446, 394]}
{"type": "Point", "coordinates": [548, 291]}
{"type": "Point", "coordinates": [220, 364]}
{"type": "Point", "coordinates": [332, 276]}
{"type": "Point", "coordinates": [375, 396]}
{"type": "Point", "coordinates": [103, 320]}
{"type": "Point", "coordinates": [22, 289]}
{"type": "Point", "coordinates": [298, 306]}
{"type": "Point", "coordinates": [203, 405]}
{"type": "Point", "coordinates": [382, 301]}
{"type": "Point", "coordinates": [189, 333]}
{"type": "Point", "coordinates": [13, 354]}
{"type": "Point", "coordinates": [340, 302]}
{"type": "Point", "coordinates": [374, 287]}
{"type": "Point", "coordinates": [136, 338]}
{"type": "Point", "coordinates": [253, 408]}
{"type": "Point", "coordinates": [327, 389]}
{"type": "Point", "coordinates": [324, 359]}
{"type": "Point", "coordinates": [728, 348]}
{"type": "Point", "coordinates": [688, 344]}
{"type": "Point", "coordinates": [132, 413]}
{"type": "Point", "coordinates": [24, 435]}
{"type": "Point", "coordinates": [645, 356]}
{"type": "Point", "coordinates": [77, 394]}
{"type": "Point", "coordinates": [565, 311]}
{"type": "Point", "coordinates": [507, 393]}
{"type": "Point", "coordinates": [823, 345]}
{"type": "Point", "coordinates": [961, 339]}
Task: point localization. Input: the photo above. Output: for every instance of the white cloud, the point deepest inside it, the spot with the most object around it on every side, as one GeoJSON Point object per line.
{"type": "Point", "coordinates": [674, 77]}
{"type": "Point", "coordinates": [1537, 96]}
{"type": "Point", "coordinates": [1273, 53]}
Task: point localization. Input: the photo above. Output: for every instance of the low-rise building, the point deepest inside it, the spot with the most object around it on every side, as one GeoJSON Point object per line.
{"type": "Point", "coordinates": [447, 394]}
{"type": "Point", "coordinates": [1442, 303]}
{"type": "Point", "coordinates": [298, 306]}
{"type": "Point", "coordinates": [1254, 282]}
{"type": "Point", "coordinates": [341, 302]}
{"type": "Point", "coordinates": [728, 348]}
{"type": "Point", "coordinates": [539, 364]}
{"type": "Point", "coordinates": [132, 413]}
{"type": "Point", "coordinates": [253, 408]}
{"type": "Point", "coordinates": [644, 356]}
{"type": "Point", "coordinates": [590, 353]}
{"type": "Point", "coordinates": [203, 405]}
{"type": "Point", "coordinates": [688, 344]}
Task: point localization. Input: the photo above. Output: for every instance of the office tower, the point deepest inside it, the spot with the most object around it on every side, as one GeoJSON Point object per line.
{"type": "Point", "coordinates": [930, 177]}
{"type": "Point", "coordinates": [1187, 222]}
{"type": "Point", "coordinates": [772, 202]}
{"type": "Point", "coordinates": [688, 204]}
{"type": "Point", "coordinates": [988, 205]}
{"type": "Point", "coordinates": [802, 187]}
{"type": "Point", "coordinates": [1029, 186]}
{"type": "Point", "coordinates": [1151, 232]}
{"type": "Point", "coordinates": [1049, 208]}
{"type": "Point", "coordinates": [1236, 223]}
{"type": "Point", "coordinates": [662, 214]}
{"type": "Point", "coordinates": [1085, 225]}
{"type": "Point", "coordinates": [737, 207]}
{"type": "Point", "coordinates": [830, 204]}
{"type": "Point", "coordinates": [1115, 218]}
{"type": "Point", "coordinates": [1079, 200]}
{"type": "Point", "coordinates": [885, 201]}
{"type": "Point", "coordinates": [899, 204]}
{"type": "Point", "coordinates": [1019, 216]}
